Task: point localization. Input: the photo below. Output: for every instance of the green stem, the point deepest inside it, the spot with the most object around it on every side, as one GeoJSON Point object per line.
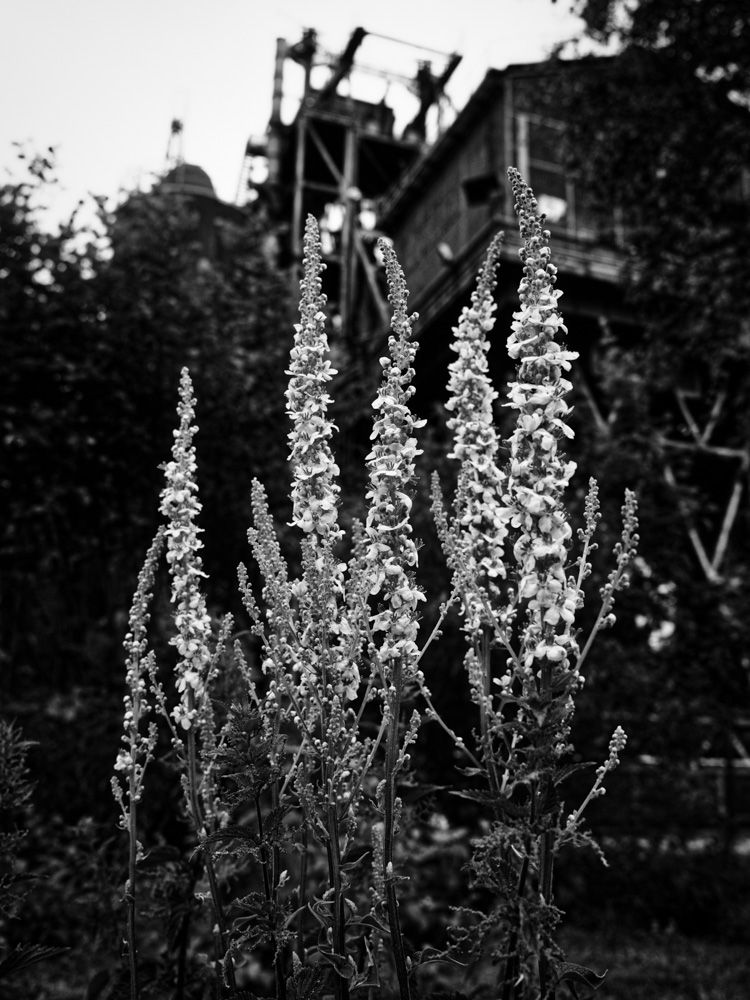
{"type": "Point", "coordinates": [391, 758]}
{"type": "Point", "coordinates": [275, 873]}
{"type": "Point", "coordinates": [302, 898]}
{"type": "Point", "coordinates": [546, 866]}
{"type": "Point", "coordinates": [545, 844]}
{"type": "Point", "coordinates": [340, 985]}
{"type": "Point", "coordinates": [221, 932]}
{"type": "Point", "coordinates": [512, 962]}
{"type": "Point", "coordinates": [184, 932]}
{"type": "Point", "coordinates": [130, 894]}
{"type": "Point", "coordinates": [484, 722]}
{"type": "Point", "coordinates": [270, 875]}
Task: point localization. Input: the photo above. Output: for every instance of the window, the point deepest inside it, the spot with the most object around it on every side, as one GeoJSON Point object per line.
{"type": "Point", "coordinates": [539, 155]}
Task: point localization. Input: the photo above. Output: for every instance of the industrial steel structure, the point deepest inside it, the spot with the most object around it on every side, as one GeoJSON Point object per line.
{"type": "Point", "coordinates": [336, 160]}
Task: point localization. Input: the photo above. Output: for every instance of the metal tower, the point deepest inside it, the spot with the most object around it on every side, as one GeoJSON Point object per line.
{"type": "Point", "coordinates": [335, 160]}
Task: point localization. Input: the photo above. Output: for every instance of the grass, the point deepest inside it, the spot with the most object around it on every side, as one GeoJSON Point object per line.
{"type": "Point", "coordinates": [660, 965]}
{"type": "Point", "coordinates": [642, 965]}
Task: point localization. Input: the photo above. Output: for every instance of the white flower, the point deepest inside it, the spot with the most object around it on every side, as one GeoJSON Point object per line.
{"type": "Point", "coordinates": [477, 508]}
{"type": "Point", "coordinates": [315, 491]}
{"type": "Point", "coordinates": [392, 553]}
{"type": "Point", "coordinates": [180, 505]}
{"type": "Point", "coordinates": [538, 473]}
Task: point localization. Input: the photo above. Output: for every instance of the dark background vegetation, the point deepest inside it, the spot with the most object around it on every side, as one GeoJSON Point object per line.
{"type": "Point", "coordinates": [93, 333]}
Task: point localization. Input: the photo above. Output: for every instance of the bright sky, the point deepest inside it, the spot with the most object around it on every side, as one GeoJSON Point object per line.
{"type": "Point", "coordinates": [101, 80]}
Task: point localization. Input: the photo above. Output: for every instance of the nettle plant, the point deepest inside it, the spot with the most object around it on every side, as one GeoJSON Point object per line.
{"type": "Point", "coordinates": [292, 790]}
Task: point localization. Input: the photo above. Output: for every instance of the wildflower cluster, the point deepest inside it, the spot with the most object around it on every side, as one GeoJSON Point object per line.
{"type": "Point", "coordinates": [524, 727]}
{"type": "Point", "coordinates": [324, 739]}
{"type": "Point", "coordinates": [314, 629]}
{"type": "Point", "coordinates": [310, 638]}
{"type": "Point", "coordinates": [537, 473]}
{"type": "Point", "coordinates": [138, 747]}
{"type": "Point", "coordinates": [326, 657]}
{"type": "Point", "coordinates": [616, 746]}
{"type": "Point", "coordinates": [315, 490]}
{"type": "Point", "coordinates": [392, 553]}
{"type": "Point", "coordinates": [480, 520]}
{"type": "Point", "coordinates": [180, 505]}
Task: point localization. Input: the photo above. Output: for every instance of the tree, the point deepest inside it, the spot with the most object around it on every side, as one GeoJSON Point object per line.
{"type": "Point", "coordinates": [661, 134]}
{"type": "Point", "coordinates": [94, 330]}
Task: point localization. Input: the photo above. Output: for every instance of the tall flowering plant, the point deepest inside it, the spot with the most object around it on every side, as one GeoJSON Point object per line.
{"type": "Point", "coordinates": [303, 778]}
{"type": "Point", "coordinates": [526, 700]}
{"type": "Point", "coordinates": [340, 637]}
{"type": "Point", "coordinates": [138, 746]}
{"type": "Point", "coordinates": [191, 721]}
{"type": "Point", "coordinates": [309, 646]}
{"type": "Point", "coordinates": [390, 561]}
{"type": "Point", "coordinates": [476, 444]}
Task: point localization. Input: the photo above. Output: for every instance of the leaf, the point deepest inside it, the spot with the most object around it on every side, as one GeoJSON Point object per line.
{"type": "Point", "coordinates": [473, 772]}
{"type": "Point", "coordinates": [430, 954]}
{"type": "Point", "coordinates": [350, 864]}
{"type": "Point", "coordinates": [305, 983]}
{"type": "Point", "coordinates": [550, 801]}
{"type": "Point", "coordinates": [565, 772]}
{"type": "Point", "coordinates": [369, 979]}
{"type": "Point", "coordinates": [505, 874]}
{"type": "Point", "coordinates": [343, 964]}
{"type": "Point", "coordinates": [253, 902]}
{"type": "Point", "coordinates": [370, 920]}
{"type": "Point", "coordinates": [491, 798]}
{"type": "Point", "coordinates": [572, 973]}
{"type": "Point", "coordinates": [478, 795]}
{"type": "Point", "coordinates": [321, 909]}
{"type": "Point", "coordinates": [240, 833]}
{"type": "Point", "coordinates": [24, 955]}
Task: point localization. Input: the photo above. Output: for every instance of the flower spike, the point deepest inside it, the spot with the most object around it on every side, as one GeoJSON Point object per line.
{"type": "Point", "coordinates": [315, 491]}
{"type": "Point", "coordinates": [538, 475]}
{"type": "Point", "coordinates": [392, 552]}
{"type": "Point", "coordinates": [180, 505]}
{"type": "Point", "coordinates": [480, 525]}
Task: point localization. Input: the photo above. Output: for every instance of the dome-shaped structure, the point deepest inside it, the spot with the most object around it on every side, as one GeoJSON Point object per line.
{"type": "Point", "coordinates": [189, 179]}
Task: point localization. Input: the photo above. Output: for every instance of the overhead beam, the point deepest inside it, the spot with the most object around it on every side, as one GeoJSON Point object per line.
{"type": "Point", "coordinates": [343, 65]}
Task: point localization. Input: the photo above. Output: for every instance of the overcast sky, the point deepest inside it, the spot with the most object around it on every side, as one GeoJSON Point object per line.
{"type": "Point", "coordinates": [101, 80]}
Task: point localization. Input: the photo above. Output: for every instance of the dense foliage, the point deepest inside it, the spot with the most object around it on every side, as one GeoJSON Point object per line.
{"type": "Point", "coordinates": [95, 324]}
{"type": "Point", "coordinates": [94, 333]}
{"type": "Point", "coordinates": [665, 127]}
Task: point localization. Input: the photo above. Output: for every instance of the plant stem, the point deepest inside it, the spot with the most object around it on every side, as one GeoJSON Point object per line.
{"type": "Point", "coordinates": [546, 865]}
{"type": "Point", "coordinates": [221, 929]}
{"type": "Point", "coordinates": [275, 873]}
{"type": "Point", "coordinates": [302, 897]}
{"type": "Point", "coordinates": [511, 965]}
{"type": "Point", "coordinates": [484, 722]}
{"type": "Point", "coordinates": [545, 843]}
{"type": "Point", "coordinates": [340, 985]}
{"type": "Point", "coordinates": [269, 888]}
{"type": "Point", "coordinates": [184, 931]}
{"type": "Point", "coordinates": [391, 757]}
{"type": "Point", "coordinates": [130, 896]}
